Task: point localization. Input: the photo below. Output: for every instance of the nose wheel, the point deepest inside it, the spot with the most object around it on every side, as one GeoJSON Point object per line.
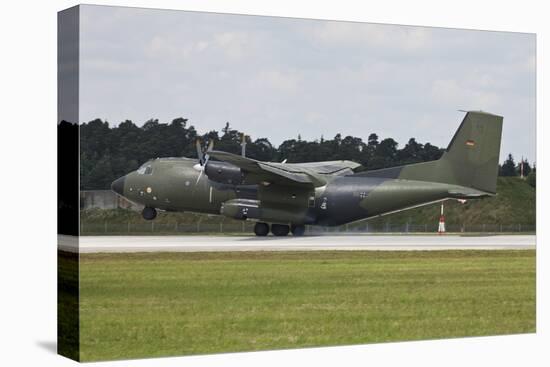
{"type": "Point", "coordinates": [149, 213]}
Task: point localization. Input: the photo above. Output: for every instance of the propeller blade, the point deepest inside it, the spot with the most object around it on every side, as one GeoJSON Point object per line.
{"type": "Point", "coordinates": [206, 161]}
{"type": "Point", "coordinates": [203, 157]}
{"type": "Point", "coordinates": [243, 145]}
{"type": "Point", "coordinates": [200, 154]}
{"type": "Point", "coordinates": [199, 178]}
{"type": "Point", "coordinates": [209, 149]}
{"type": "Point", "coordinates": [206, 158]}
{"type": "Point", "coordinates": [202, 170]}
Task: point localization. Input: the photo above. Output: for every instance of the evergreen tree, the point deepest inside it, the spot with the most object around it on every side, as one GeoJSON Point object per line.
{"type": "Point", "coordinates": [431, 153]}
{"type": "Point", "coordinates": [526, 168]}
{"type": "Point", "coordinates": [261, 149]}
{"type": "Point", "coordinates": [411, 153]}
{"type": "Point", "coordinates": [508, 167]}
{"type": "Point", "coordinates": [372, 140]}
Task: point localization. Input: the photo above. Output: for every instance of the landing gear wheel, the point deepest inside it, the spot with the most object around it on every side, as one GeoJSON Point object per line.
{"type": "Point", "coordinates": [298, 230]}
{"type": "Point", "coordinates": [279, 229]}
{"type": "Point", "coordinates": [261, 229]}
{"type": "Point", "coordinates": [149, 213]}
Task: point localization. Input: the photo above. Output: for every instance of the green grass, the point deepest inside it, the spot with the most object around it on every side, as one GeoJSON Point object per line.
{"type": "Point", "coordinates": [67, 304]}
{"type": "Point", "coordinates": [161, 304]}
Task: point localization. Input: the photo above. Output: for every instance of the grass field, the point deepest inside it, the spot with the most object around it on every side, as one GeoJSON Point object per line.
{"type": "Point", "coordinates": [161, 304]}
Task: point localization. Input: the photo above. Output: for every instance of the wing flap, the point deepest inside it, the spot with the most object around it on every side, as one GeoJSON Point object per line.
{"type": "Point", "coordinates": [297, 176]}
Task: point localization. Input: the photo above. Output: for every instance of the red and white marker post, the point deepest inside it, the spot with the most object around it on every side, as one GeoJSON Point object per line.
{"type": "Point", "coordinates": [441, 228]}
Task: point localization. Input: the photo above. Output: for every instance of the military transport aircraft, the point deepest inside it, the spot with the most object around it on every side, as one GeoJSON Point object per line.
{"type": "Point", "coordinates": [284, 197]}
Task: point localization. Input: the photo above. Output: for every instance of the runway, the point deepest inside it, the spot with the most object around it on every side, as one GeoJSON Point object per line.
{"type": "Point", "coordinates": [97, 244]}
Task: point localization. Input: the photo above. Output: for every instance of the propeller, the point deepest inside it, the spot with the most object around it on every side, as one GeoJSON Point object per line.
{"type": "Point", "coordinates": [203, 157]}
{"type": "Point", "coordinates": [243, 145]}
{"type": "Point", "coordinates": [200, 153]}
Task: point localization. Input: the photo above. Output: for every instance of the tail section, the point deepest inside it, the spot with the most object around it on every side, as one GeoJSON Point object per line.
{"type": "Point", "coordinates": [472, 155]}
{"type": "Point", "coordinates": [470, 160]}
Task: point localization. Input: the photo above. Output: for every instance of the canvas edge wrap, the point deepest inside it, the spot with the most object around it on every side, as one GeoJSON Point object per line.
{"type": "Point", "coordinates": [68, 294]}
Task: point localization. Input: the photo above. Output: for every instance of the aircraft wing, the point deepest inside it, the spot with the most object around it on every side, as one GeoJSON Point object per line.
{"type": "Point", "coordinates": [311, 174]}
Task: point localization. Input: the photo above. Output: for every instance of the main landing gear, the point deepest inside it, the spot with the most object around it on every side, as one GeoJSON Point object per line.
{"type": "Point", "coordinates": [149, 213]}
{"type": "Point", "coordinates": [279, 229]}
{"type": "Point", "coordinates": [262, 229]}
{"type": "Point", "coordinates": [297, 230]}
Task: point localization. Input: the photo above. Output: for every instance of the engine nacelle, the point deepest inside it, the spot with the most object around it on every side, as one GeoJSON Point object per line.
{"type": "Point", "coordinates": [241, 209]}
{"type": "Point", "coordinates": [255, 209]}
{"type": "Point", "coordinates": [224, 173]}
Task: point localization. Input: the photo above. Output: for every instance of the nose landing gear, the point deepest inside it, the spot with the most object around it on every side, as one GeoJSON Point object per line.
{"type": "Point", "coordinates": [149, 213]}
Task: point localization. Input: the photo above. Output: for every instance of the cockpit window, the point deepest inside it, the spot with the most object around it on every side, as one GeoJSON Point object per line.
{"type": "Point", "coordinates": [146, 169]}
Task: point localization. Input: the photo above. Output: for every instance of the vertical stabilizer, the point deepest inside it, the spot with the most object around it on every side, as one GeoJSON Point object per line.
{"type": "Point", "coordinates": [470, 160]}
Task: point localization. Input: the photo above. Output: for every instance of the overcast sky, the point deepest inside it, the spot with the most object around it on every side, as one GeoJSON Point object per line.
{"type": "Point", "coordinates": [279, 77]}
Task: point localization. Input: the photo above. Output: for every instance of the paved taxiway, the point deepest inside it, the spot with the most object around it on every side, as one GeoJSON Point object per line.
{"type": "Point", "coordinates": [91, 244]}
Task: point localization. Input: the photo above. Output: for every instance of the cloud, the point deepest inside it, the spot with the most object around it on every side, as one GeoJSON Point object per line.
{"type": "Point", "coordinates": [303, 76]}
{"type": "Point", "coordinates": [363, 34]}
{"type": "Point", "coordinates": [463, 96]}
{"type": "Point", "coordinates": [283, 82]}
{"type": "Point", "coordinates": [234, 44]}
{"type": "Point", "coordinates": [171, 48]}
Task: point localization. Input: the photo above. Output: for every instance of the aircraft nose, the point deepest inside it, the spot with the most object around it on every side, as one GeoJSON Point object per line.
{"type": "Point", "coordinates": [118, 185]}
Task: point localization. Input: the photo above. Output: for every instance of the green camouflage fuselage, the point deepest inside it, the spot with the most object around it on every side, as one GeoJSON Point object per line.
{"type": "Point", "coordinates": [174, 185]}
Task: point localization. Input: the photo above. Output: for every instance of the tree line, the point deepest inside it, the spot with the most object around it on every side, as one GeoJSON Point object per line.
{"type": "Point", "coordinates": [107, 153]}
{"type": "Point", "coordinates": [510, 168]}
